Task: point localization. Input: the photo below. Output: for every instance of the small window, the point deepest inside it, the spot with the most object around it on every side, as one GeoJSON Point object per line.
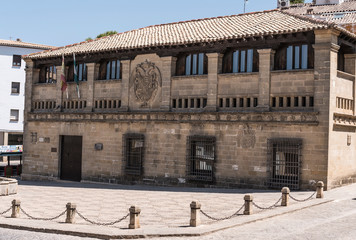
{"type": "Point", "coordinates": [15, 87]}
{"type": "Point", "coordinates": [134, 152]}
{"type": "Point", "coordinates": [239, 61]}
{"type": "Point", "coordinates": [16, 60]}
{"type": "Point", "coordinates": [201, 158]}
{"type": "Point", "coordinates": [14, 115]}
{"type": "Point", "coordinates": [110, 70]}
{"type": "Point", "coordinates": [285, 160]}
{"type": "Point", "coordinates": [48, 74]}
{"type": "Point", "coordinates": [192, 64]}
{"type": "Point", "coordinates": [297, 57]}
{"type": "Point", "coordinates": [81, 70]}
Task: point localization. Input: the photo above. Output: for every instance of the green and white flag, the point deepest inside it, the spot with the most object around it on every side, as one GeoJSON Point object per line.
{"type": "Point", "coordinates": [76, 75]}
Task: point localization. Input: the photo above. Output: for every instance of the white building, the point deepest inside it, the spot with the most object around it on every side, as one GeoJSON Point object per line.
{"type": "Point", "coordinates": [12, 86]}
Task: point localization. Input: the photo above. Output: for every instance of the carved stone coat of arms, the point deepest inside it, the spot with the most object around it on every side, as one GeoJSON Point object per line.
{"type": "Point", "coordinates": [146, 78]}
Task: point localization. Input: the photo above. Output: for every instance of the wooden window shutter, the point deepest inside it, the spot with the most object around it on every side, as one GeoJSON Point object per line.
{"type": "Point", "coordinates": [102, 71]}
{"type": "Point", "coordinates": [205, 69]}
{"type": "Point", "coordinates": [42, 75]}
{"type": "Point", "coordinates": [281, 58]}
{"type": "Point", "coordinates": [180, 70]}
{"type": "Point", "coordinates": [70, 75]}
{"type": "Point", "coordinates": [227, 62]}
{"type": "Point", "coordinates": [255, 67]}
{"type": "Point", "coordinates": [310, 56]}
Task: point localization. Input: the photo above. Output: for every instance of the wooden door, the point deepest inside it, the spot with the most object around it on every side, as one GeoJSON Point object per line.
{"type": "Point", "coordinates": [71, 161]}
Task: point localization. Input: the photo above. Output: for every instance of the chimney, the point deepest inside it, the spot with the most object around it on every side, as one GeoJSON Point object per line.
{"type": "Point", "coordinates": [18, 40]}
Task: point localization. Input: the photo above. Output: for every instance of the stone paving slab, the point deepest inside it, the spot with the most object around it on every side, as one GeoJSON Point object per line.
{"type": "Point", "coordinates": [165, 210]}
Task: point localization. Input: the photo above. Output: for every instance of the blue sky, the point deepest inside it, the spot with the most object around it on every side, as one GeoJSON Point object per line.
{"type": "Point", "coordinates": [64, 22]}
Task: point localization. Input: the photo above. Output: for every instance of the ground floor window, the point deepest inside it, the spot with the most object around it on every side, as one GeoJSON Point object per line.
{"type": "Point", "coordinates": [285, 162]}
{"type": "Point", "coordinates": [133, 153]}
{"type": "Point", "coordinates": [201, 157]}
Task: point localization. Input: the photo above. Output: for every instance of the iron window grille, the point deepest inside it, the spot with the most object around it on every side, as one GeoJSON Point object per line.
{"type": "Point", "coordinates": [285, 158]}
{"type": "Point", "coordinates": [201, 158]}
{"type": "Point", "coordinates": [133, 153]}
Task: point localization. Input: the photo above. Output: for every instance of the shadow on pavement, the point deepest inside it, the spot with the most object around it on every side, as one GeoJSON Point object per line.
{"type": "Point", "coordinates": [69, 184]}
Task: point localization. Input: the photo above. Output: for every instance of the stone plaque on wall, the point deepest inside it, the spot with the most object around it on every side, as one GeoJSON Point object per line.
{"type": "Point", "coordinates": [246, 137]}
{"type": "Point", "coordinates": [145, 80]}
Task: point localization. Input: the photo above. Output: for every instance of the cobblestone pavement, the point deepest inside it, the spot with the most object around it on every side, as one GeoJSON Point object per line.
{"type": "Point", "coordinates": [161, 206]}
{"type": "Point", "coordinates": [332, 221]}
{"type": "Point", "coordinates": [164, 209]}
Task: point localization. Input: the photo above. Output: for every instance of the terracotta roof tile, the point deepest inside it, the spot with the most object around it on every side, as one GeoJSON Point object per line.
{"type": "Point", "coordinates": [11, 43]}
{"type": "Point", "coordinates": [194, 31]}
{"type": "Point", "coordinates": [347, 6]}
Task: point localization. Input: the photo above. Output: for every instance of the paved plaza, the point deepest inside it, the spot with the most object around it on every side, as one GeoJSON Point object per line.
{"type": "Point", "coordinates": [165, 210]}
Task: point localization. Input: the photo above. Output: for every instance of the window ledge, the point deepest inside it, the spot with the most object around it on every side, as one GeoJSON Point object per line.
{"type": "Point", "coordinates": [293, 70]}
{"type": "Point", "coordinates": [108, 80]}
{"type": "Point", "coordinates": [203, 76]}
{"type": "Point", "coordinates": [72, 82]}
{"type": "Point", "coordinates": [238, 74]}
{"type": "Point", "coordinates": [45, 84]}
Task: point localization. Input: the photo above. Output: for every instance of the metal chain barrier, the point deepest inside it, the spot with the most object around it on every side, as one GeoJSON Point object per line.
{"type": "Point", "coordinates": [224, 218]}
{"type": "Point", "coordinates": [7, 210]}
{"type": "Point", "coordinates": [302, 200]}
{"type": "Point", "coordinates": [267, 208]}
{"type": "Point", "coordinates": [102, 224]}
{"type": "Point", "coordinates": [46, 219]}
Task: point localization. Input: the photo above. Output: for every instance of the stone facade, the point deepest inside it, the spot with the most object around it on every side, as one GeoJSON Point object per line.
{"type": "Point", "coordinates": [243, 112]}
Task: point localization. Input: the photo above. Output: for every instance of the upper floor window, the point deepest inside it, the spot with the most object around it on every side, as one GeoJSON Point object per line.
{"type": "Point", "coordinates": [48, 74]}
{"type": "Point", "coordinates": [299, 56]}
{"type": "Point", "coordinates": [15, 87]}
{"type": "Point", "coordinates": [16, 60]}
{"type": "Point", "coordinates": [192, 64]}
{"type": "Point", "coordinates": [14, 115]}
{"type": "Point", "coordinates": [81, 69]}
{"type": "Point", "coordinates": [240, 61]}
{"type": "Point", "coordinates": [110, 70]}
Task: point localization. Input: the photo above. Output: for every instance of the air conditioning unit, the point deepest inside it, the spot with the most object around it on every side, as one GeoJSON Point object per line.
{"type": "Point", "coordinates": [283, 3]}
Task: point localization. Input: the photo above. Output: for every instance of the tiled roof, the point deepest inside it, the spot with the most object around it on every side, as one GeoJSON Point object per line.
{"type": "Point", "coordinates": [344, 19]}
{"type": "Point", "coordinates": [11, 43]}
{"type": "Point", "coordinates": [195, 31]}
{"type": "Point", "coordinates": [301, 9]}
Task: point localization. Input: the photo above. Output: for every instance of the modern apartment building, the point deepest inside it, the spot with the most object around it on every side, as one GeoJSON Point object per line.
{"type": "Point", "coordinates": [12, 88]}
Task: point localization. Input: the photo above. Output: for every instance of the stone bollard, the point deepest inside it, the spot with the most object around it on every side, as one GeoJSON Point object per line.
{"type": "Point", "coordinates": [195, 214]}
{"type": "Point", "coordinates": [134, 217]}
{"type": "Point", "coordinates": [71, 209]}
{"type": "Point", "coordinates": [285, 196]}
{"type": "Point", "coordinates": [15, 208]}
{"type": "Point", "coordinates": [248, 204]}
{"type": "Point", "coordinates": [320, 189]}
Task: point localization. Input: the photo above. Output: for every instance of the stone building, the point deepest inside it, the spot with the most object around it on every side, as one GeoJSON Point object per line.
{"type": "Point", "coordinates": [261, 100]}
